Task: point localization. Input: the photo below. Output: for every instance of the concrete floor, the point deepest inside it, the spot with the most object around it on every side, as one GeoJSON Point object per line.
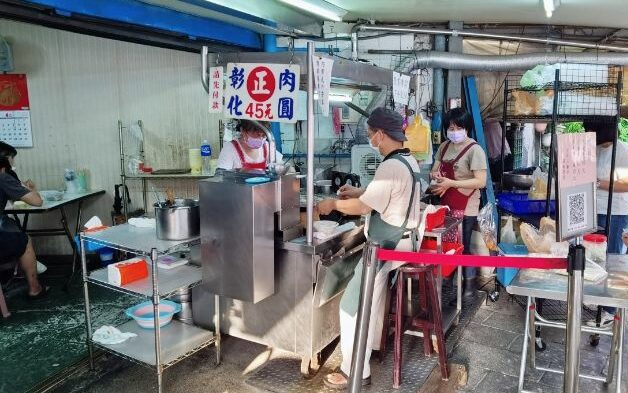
{"type": "Point", "coordinates": [490, 347]}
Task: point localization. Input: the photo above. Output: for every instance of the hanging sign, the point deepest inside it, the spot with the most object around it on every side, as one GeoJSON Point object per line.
{"type": "Point", "coordinates": [322, 80]}
{"type": "Point", "coordinates": [215, 89]}
{"type": "Point", "coordinates": [577, 178]}
{"type": "Point", "coordinates": [401, 88]}
{"type": "Point", "coordinates": [266, 92]}
{"type": "Point", "coordinates": [15, 114]}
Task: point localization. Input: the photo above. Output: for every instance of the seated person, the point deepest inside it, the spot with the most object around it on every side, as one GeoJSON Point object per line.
{"type": "Point", "coordinates": [14, 243]}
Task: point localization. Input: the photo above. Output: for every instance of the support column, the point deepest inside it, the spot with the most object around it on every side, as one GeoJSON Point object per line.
{"type": "Point", "coordinates": [454, 77]}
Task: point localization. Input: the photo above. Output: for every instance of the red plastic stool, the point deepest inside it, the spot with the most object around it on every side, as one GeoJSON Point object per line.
{"type": "Point", "coordinates": [427, 318]}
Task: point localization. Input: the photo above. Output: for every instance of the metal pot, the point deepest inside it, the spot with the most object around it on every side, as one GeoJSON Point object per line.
{"type": "Point", "coordinates": [179, 221]}
{"type": "Point", "coordinates": [322, 187]}
{"type": "Point", "coordinates": [517, 181]}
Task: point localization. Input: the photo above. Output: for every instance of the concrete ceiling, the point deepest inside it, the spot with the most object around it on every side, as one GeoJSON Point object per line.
{"type": "Point", "coordinates": [602, 13]}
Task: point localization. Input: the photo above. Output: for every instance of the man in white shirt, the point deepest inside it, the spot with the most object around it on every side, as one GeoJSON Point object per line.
{"type": "Point", "coordinates": [392, 202]}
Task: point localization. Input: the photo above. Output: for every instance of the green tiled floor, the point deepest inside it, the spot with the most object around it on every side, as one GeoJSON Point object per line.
{"type": "Point", "coordinates": [42, 338]}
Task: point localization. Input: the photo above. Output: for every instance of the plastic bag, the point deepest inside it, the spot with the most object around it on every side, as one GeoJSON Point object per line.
{"type": "Point", "coordinates": [508, 232]}
{"type": "Point", "coordinates": [419, 136]}
{"type": "Point", "coordinates": [538, 191]}
{"type": "Point", "coordinates": [526, 103]}
{"type": "Point", "coordinates": [488, 227]}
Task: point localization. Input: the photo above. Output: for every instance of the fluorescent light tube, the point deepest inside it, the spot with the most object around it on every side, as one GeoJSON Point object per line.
{"type": "Point", "coordinates": [336, 97]}
{"type": "Point", "coordinates": [315, 9]}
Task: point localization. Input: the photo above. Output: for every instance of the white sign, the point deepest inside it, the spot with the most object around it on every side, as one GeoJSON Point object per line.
{"type": "Point", "coordinates": [215, 89]}
{"type": "Point", "coordinates": [322, 80]}
{"type": "Point", "coordinates": [266, 92]}
{"type": "Point", "coordinates": [401, 88]}
{"type": "Point", "coordinates": [577, 177]}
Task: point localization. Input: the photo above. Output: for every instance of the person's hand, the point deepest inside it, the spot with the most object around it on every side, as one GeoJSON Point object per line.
{"type": "Point", "coordinates": [326, 206]}
{"type": "Point", "coordinates": [30, 185]}
{"type": "Point", "coordinates": [442, 185]}
{"type": "Point", "coordinates": [624, 237]}
{"type": "Point", "coordinates": [604, 185]}
{"type": "Point", "coordinates": [348, 191]}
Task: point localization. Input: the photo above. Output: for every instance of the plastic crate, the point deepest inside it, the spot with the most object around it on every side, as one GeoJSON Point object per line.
{"type": "Point", "coordinates": [520, 204]}
{"type": "Point", "coordinates": [430, 245]}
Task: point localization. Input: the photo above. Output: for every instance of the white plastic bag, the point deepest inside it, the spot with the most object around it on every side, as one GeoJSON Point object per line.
{"type": "Point", "coordinates": [538, 191]}
{"type": "Point", "coordinates": [508, 232]}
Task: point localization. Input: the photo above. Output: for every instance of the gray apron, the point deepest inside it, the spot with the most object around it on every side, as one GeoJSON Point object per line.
{"type": "Point", "coordinates": [388, 236]}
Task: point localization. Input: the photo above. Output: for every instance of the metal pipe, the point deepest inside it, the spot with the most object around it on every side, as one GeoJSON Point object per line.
{"type": "Point", "coordinates": [524, 347]}
{"type": "Point", "coordinates": [620, 350]}
{"type": "Point", "coordinates": [585, 329]}
{"type": "Point", "coordinates": [574, 315]}
{"type": "Point", "coordinates": [479, 34]}
{"type": "Point", "coordinates": [611, 185]}
{"type": "Point", "coordinates": [217, 328]}
{"type": "Point", "coordinates": [439, 80]}
{"type": "Point", "coordinates": [553, 144]}
{"type": "Point", "coordinates": [153, 264]}
{"type": "Point", "coordinates": [369, 260]}
{"type": "Point", "coordinates": [354, 44]}
{"type": "Point", "coordinates": [561, 372]}
{"type": "Point", "coordinates": [310, 143]}
{"type": "Point", "coordinates": [204, 75]}
{"type": "Point", "coordinates": [125, 207]}
{"type": "Point", "coordinates": [88, 315]}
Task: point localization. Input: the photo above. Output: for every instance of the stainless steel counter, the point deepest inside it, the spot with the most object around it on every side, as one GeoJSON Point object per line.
{"type": "Point", "coordinates": [302, 314]}
{"type": "Point", "coordinates": [546, 284]}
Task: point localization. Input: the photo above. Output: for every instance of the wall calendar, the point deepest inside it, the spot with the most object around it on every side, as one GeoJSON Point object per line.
{"type": "Point", "coordinates": [15, 118]}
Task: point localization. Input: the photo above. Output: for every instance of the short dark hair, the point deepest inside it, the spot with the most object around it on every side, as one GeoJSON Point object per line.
{"type": "Point", "coordinates": [605, 131]}
{"type": "Point", "coordinates": [249, 125]}
{"type": "Point", "coordinates": [7, 150]}
{"type": "Point", "coordinates": [4, 163]}
{"type": "Point", "coordinates": [460, 118]}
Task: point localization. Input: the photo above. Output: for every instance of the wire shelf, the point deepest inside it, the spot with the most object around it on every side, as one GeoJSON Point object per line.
{"type": "Point", "coordinates": [584, 92]}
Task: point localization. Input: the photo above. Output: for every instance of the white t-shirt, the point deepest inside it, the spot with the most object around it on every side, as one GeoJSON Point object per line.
{"type": "Point", "coordinates": [620, 199]}
{"type": "Point", "coordinates": [229, 159]}
{"type": "Point", "coordinates": [389, 192]}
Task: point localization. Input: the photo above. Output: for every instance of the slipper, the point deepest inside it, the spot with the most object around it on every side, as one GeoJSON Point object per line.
{"type": "Point", "coordinates": [45, 290]}
{"type": "Point", "coordinates": [332, 381]}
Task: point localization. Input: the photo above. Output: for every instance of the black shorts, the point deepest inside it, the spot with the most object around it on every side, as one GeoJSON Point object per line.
{"type": "Point", "coordinates": [12, 245]}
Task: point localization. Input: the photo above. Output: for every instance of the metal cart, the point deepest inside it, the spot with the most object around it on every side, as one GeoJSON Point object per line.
{"type": "Point", "coordinates": [162, 347]}
{"type": "Point", "coordinates": [613, 292]}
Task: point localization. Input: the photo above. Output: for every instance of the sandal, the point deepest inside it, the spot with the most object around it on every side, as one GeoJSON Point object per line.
{"type": "Point", "coordinates": [45, 290]}
{"type": "Point", "coordinates": [340, 381]}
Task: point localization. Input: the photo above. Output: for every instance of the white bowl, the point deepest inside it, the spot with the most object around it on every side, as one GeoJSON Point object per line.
{"type": "Point", "coordinates": [325, 226]}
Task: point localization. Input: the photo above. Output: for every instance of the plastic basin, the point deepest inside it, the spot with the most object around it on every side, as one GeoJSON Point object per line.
{"type": "Point", "coordinates": [143, 313]}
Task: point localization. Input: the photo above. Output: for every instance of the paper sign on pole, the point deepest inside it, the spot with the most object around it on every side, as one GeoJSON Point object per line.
{"type": "Point", "coordinates": [266, 92]}
{"type": "Point", "coordinates": [577, 177]}
{"type": "Point", "coordinates": [215, 89]}
{"type": "Point", "coordinates": [322, 80]}
{"type": "Point", "coordinates": [401, 88]}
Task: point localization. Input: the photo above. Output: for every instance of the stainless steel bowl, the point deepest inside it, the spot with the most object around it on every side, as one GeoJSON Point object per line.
{"type": "Point", "coordinates": [179, 221]}
{"type": "Point", "coordinates": [517, 181]}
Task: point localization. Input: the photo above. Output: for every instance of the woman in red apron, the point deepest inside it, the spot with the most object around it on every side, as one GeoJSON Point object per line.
{"type": "Point", "coordinates": [460, 172]}
{"type": "Point", "coordinates": [249, 151]}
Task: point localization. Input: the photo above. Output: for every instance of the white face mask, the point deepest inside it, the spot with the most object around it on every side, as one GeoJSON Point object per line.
{"type": "Point", "coordinates": [376, 148]}
{"type": "Point", "coordinates": [457, 136]}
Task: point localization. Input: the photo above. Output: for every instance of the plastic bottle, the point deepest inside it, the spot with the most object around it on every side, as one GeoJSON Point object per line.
{"type": "Point", "coordinates": [206, 153]}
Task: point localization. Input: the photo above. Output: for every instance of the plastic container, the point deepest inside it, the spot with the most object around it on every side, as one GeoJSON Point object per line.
{"type": "Point", "coordinates": [595, 248]}
{"type": "Point", "coordinates": [106, 256]}
{"type": "Point", "coordinates": [520, 204]}
{"type": "Point", "coordinates": [194, 158]}
{"type": "Point", "coordinates": [505, 275]}
{"type": "Point", "coordinates": [143, 313]}
{"type": "Point", "coordinates": [206, 154]}
{"type": "Point", "coordinates": [430, 245]}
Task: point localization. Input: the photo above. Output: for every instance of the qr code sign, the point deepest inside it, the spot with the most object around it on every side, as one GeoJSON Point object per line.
{"type": "Point", "coordinates": [575, 208]}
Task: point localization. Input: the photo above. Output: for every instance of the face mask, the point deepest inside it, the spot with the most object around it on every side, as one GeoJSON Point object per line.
{"type": "Point", "coordinates": [255, 143]}
{"type": "Point", "coordinates": [457, 136]}
{"type": "Point", "coordinates": [376, 148]}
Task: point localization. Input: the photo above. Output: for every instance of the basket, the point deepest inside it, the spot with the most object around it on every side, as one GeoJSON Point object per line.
{"type": "Point", "coordinates": [520, 204]}
{"type": "Point", "coordinates": [430, 245]}
{"type": "Point", "coordinates": [436, 219]}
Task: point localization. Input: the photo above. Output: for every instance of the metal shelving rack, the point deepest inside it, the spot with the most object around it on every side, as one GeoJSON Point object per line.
{"type": "Point", "coordinates": [590, 92]}
{"type": "Point", "coordinates": [144, 177]}
{"type": "Point", "coordinates": [157, 348]}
